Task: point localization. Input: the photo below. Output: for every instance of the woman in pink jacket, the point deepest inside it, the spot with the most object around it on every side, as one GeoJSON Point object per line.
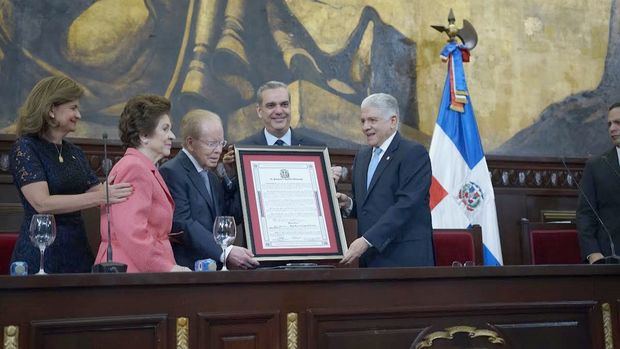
{"type": "Point", "coordinates": [140, 225]}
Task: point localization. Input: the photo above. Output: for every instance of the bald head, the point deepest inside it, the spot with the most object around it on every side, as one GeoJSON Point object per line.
{"type": "Point", "coordinates": [196, 121]}
{"type": "Point", "coordinates": [203, 137]}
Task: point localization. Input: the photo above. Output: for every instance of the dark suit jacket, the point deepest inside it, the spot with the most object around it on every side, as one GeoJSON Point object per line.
{"type": "Point", "coordinates": [601, 184]}
{"type": "Point", "coordinates": [195, 211]}
{"type": "Point", "coordinates": [394, 214]}
{"type": "Point", "coordinates": [296, 139]}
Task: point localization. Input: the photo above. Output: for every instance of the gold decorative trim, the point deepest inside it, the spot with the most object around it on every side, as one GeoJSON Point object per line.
{"type": "Point", "coordinates": [449, 332]}
{"type": "Point", "coordinates": [552, 216]}
{"type": "Point", "coordinates": [291, 330]}
{"type": "Point", "coordinates": [182, 333]}
{"type": "Point", "coordinates": [607, 327]}
{"type": "Point", "coordinates": [11, 337]}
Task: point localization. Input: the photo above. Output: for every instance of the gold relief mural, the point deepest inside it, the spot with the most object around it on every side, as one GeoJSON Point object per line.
{"type": "Point", "coordinates": [213, 54]}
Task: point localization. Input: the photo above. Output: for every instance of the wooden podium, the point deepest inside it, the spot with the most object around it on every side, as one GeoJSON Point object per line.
{"type": "Point", "coordinates": [524, 306]}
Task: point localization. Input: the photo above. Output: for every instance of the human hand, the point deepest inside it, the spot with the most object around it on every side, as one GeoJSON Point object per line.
{"type": "Point", "coordinates": [229, 161]}
{"type": "Point", "coordinates": [357, 248]}
{"type": "Point", "coordinates": [594, 257]}
{"type": "Point", "coordinates": [337, 173]}
{"type": "Point", "coordinates": [241, 258]}
{"type": "Point", "coordinates": [177, 268]}
{"type": "Point", "coordinates": [117, 192]}
{"type": "Point", "coordinates": [344, 201]}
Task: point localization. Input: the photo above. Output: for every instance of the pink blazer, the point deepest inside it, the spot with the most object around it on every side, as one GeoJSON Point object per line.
{"type": "Point", "coordinates": [139, 226]}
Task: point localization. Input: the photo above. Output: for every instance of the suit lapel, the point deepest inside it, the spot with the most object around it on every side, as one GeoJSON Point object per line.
{"type": "Point", "coordinates": [611, 159]}
{"type": "Point", "coordinates": [294, 139]}
{"type": "Point", "coordinates": [163, 185]}
{"type": "Point", "coordinates": [386, 159]}
{"type": "Point", "coordinates": [214, 193]}
{"type": "Point", "coordinates": [197, 180]}
{"type": "Point", "coordinates": [141, 157]}
{"type": "Point", "coordinates": [364, 161]}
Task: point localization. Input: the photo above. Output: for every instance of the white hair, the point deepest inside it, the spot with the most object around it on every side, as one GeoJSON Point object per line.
{"type": "Point", "coordinates": [387, 104]}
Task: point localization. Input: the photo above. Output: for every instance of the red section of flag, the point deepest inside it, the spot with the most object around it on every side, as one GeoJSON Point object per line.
{"type": "Point", "coordinates": [437, 193]}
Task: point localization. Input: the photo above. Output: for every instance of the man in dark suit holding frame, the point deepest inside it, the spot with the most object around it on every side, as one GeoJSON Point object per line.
{"type": "Point", "coordinates": [391, 183]}
{"type": "Point", "coordinates": [200, 195]}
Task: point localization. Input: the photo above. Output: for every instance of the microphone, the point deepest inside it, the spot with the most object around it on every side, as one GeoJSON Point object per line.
{"type": "Point", "coordinates": [221, 171]}
{"type": "Point", "coordinates": [109, 266]}
{"type": "Point", "coordinates": [613, 258]}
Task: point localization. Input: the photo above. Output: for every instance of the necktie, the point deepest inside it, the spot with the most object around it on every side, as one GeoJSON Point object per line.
{"type": "Point", "coordinates": [374, 161]}
{"type": "Point", "coordinates": [279, 142]}
{"type": "Point", "coordinates": [205, 177]}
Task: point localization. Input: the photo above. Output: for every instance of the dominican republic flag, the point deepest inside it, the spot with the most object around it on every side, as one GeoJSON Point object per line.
{"type": "Point", "coordinates": [461, 190]}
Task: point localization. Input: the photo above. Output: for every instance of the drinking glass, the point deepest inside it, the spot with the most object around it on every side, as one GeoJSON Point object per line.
{"type": "Point", "coordinates": [42, 234]}
{"type": "Point", "coordinates": [224, 233]}
{"type": "Point", "coordinates": [466, 264]}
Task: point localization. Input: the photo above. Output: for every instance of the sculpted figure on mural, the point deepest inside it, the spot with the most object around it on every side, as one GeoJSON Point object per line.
{"type": "Point", "coordinates": [209, 54]}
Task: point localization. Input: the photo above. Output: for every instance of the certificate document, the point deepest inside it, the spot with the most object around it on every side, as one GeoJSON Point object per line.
{"type": "Point", "coordinates": [290, 207]}
{"type": "Point", "coordinates": [290, 210]}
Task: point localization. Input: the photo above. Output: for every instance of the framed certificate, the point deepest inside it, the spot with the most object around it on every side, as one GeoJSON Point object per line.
{"type": "Point", "coordinates": [289, 203]}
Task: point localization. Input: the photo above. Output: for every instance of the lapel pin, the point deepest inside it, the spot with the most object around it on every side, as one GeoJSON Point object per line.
{"type": "Point", "coordinates": [388, 158]}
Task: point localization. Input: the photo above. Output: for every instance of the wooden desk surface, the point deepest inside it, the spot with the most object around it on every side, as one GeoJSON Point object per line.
{"type": "Point", "coordinates": [527, 306]}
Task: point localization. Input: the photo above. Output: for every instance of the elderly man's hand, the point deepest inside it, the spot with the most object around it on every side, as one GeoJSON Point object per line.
{"type": "Point", "coordinates": [241, 258]}
{"type": "Point", "coordinates": [357, 248]}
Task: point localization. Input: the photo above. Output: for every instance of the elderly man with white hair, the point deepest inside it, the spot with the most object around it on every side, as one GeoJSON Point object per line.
{"type": "Point", "coordinates": [391, 182]}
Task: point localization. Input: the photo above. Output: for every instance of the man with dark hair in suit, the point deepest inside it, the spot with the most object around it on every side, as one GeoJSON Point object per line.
{"type": "Point", "coordinates": [200, 196]}
{"type": "Point", "coordinates": [391, 183]}
{"type": "Point", "coordinates": [601, 188]}
{"type": "Point", "coordinates": [273, 105]}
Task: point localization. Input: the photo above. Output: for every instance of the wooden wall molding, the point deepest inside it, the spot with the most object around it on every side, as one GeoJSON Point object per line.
{"type": "Point", "coordinates": [505, 171]}
{"type": "Point", "coordinates": [524, 187]}
{"type": "Point", "coordinates": [145, 331]}
{"type": "Point", "coordinates": [242, 329]}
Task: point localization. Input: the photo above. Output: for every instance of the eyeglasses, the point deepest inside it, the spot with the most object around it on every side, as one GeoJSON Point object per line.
{"type": "Point", "coordinates": [466, 264]}
{"type": "Point", "coordinates": [213, 144]}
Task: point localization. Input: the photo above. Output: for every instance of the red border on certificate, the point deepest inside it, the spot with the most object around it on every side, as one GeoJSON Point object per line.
{"type": "Point", "coordinates": [326, 212]}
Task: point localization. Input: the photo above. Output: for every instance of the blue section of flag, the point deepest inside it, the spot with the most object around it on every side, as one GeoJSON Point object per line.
{"type": "Point", "coordinates": [460, 127]}
{"type": "Point", "coordinates": [489, 258]}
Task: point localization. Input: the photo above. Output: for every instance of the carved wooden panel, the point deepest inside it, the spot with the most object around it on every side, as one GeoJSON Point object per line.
{"type": "Point", "coordinates": [530, 325]}
{"type": "Point", "coordinates": [239, 330]}
{"type": "Point", "coordinates": [118, 332]}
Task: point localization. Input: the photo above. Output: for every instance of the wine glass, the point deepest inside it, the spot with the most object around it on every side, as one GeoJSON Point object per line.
{"type": "Point", "coordinates": [224, 233]}
{"type": "Point", "coordinates": [42, 234]}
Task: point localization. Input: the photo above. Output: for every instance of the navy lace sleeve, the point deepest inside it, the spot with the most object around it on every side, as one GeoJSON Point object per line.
{"type": "Point", "coordinates": [91, 176]}
{"type": "Point", "coordinates": [25, 164]}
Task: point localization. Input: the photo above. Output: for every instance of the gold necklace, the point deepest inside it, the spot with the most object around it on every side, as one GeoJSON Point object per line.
{"type": "Point", "coordinates": [60, 159]}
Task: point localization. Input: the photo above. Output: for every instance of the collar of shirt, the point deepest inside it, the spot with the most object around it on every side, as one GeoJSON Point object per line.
{"type": "Point", "coordinates": [384, 147]}
{"type": "Point", "coordinates": [271, 139]}
{"type": "Point", "coordinates": [618, 152]}
{"type": "Point", "coordinates": [193, 160]}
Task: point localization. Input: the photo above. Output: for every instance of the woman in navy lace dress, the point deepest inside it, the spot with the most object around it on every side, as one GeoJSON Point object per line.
{"type": "Point", "coordinates": [53, 176]}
